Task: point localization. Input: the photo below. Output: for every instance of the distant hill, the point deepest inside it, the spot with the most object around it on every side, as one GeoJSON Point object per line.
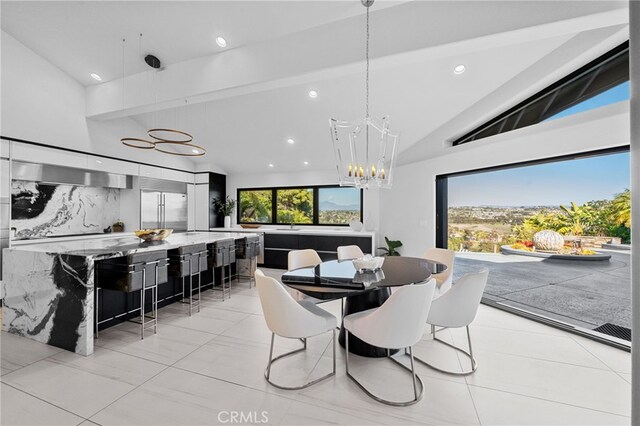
{"type": "Point", "coordinates": [329, 205]}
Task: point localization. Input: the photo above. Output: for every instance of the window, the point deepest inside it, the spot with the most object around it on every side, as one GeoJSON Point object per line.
{"type": "Point", "coordinates": [295, 205]}
{"type": "Point", "coordinates": [338, 205]}
{"type": "Point", "coordinates": [311, 205]}
{"type": "Point", "coordinates": [255, 206]}
{"type": "Point", "coordinates": [584, 198]}
{"type": "Point", "coordinates": [601, 82]}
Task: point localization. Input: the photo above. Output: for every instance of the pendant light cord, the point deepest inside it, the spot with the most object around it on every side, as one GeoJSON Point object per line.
{"type": "Point", "coordinates": [367, 73]}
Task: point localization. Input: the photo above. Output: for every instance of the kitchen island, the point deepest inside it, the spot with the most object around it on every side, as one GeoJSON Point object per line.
{"type": "Point", "coordinates": [49, 287]}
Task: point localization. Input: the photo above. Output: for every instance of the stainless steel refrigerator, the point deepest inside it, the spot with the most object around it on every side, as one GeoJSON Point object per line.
{"type": "Point", "coordinates": [164, 210]}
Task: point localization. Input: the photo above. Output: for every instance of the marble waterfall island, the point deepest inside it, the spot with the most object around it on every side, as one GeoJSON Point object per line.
{"type": "Point", "coordinates": [49, 287]}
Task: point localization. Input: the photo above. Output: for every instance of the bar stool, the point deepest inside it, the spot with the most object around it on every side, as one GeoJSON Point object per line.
{"type": "Point", "coordinates": [248, 248]}
{"type": "Point", "coordinates": [222, 254]}
{"type": "Point", "coordinates": [189, 261]}
{"type": "Point", "coordinates": [134, 273]}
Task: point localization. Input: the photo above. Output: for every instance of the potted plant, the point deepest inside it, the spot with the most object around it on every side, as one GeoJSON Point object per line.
{"type": "Point", "coordinates": [392, 247]}
{"type": "Point", "coordinates": [225, 206]}
{"type": "Point", "coordinates": [118, 226]}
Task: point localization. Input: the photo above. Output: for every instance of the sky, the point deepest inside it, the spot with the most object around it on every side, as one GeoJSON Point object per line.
{"type": "Point", "coordinates": [618, 93]}
{"type": "Point", "coordinates": [550, 184]}
{"type": "Point", "coordinates": [342, 196]}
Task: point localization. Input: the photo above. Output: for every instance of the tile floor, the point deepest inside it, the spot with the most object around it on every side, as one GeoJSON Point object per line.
{"type": "Point", "coordinates": [203, 369]}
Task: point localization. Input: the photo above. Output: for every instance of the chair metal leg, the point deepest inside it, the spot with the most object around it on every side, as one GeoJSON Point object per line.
{"type": "Point", "coordinates": [416, 379]}
{"type": "Point", "coordinates": [474, 363]}
{"type": "Point", "coordinates": [267, 371]}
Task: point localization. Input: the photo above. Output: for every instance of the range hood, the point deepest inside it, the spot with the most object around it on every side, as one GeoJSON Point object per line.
{"type": "Point", "coordinates": [46, 173]}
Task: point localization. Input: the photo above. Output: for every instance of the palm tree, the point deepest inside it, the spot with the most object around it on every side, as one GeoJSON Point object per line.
{"type": "Point", "coordinates": [621, 206]}
{"type": "Point", "coordinates": [576, 219]}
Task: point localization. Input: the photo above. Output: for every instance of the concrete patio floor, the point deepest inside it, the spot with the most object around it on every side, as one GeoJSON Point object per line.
{"type": "Point", "coordinates": [582, 293]}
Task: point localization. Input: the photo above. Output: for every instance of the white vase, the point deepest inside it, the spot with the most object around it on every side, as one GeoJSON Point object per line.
{"type": "Point", "coordinates": [227, 221]}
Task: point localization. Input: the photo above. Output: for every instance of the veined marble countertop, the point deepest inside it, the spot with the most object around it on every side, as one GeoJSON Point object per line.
{"type": "Point", "coordinates": [123, 245]}
{"type": "Point", "coordinates": [283, 229]}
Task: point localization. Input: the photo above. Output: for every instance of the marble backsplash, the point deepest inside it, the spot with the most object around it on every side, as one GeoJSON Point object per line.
{"type": "Point", "coordinates": [42, 210]}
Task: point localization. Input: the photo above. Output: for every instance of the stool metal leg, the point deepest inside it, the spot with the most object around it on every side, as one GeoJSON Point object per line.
{"type": "Point", "coordinates": [142, 294]}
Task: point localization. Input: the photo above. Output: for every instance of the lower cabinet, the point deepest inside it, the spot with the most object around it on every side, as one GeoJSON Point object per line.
{"type": "Point", "coordinates": [277, 246]}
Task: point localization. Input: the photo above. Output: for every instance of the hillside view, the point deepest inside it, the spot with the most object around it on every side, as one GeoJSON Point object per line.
{"type": "Point", "coordinates": [486, 228]}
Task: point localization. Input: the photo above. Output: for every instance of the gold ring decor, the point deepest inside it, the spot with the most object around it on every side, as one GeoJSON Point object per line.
{"type": "Point", "coordinates": [138, 143]}
{"type": "Point", "coordinates": [201, 151]}
{"type": "Point", "coordinates": [187, 137]}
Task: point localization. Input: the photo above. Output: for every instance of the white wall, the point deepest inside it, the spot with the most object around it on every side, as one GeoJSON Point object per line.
{"type": "Point", "coordinates": [312, 177]}
{"type": "Point", "coordinates": [407, 211]}
{"type": "Point", "coordinates": [40, 103]}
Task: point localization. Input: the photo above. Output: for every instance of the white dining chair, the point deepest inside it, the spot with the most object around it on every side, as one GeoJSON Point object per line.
{"type": "Point", "coordinates": [349, 252]}
{"type": "Point", "coordinates": [293, 320]}
{"type": "Point", "coordinates": [443, 279]}
{"type": "Point", "coordinates": [455, 309]}
{"type": "Point", "coordinates": [398, 324]}
{"type": "Point", "coordinates": [302, 259]}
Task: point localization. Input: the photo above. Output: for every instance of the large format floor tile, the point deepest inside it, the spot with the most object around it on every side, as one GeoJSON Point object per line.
{"type": "Point", "coordinates": [178, 397]}
{"type": "Point", "coordinates": [592, 388]}
{"type": "Point", "coordinates": [17, 352]}
{"type": "Point", "coordinates": [72, 389]}
{"type": "Point", "coordinates": [503, 408]}
{"type": "Point", "coordinates": [168, 346]}
{"type": "Point", "coordinates": [212, 364]}
{"type": "Point", "coordinates": [19, 408]}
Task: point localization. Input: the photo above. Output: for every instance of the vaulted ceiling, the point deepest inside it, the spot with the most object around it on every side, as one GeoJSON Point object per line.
{"type": "Point", "coordinates": [243, 102]}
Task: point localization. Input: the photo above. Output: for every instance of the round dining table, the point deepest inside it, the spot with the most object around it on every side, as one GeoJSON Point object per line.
{"type": "Point", "coordinates": [362, 289]}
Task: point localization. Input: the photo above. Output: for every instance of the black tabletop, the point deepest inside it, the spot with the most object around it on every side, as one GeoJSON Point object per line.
{"type": "Point", "coordinates": [336, 279]}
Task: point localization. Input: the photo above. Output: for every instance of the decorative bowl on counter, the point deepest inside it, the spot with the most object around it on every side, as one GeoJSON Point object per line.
{"type": "Point", "coordinates": [153, 234]}
{"type": "Point", "coordinates": [368, 263]}
{"type": "Point", "coordinates": [250, 226]}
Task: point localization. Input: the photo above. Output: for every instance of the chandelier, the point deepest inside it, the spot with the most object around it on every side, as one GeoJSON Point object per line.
{"type": "Point", "coordinates": [365, 150]}
{"type": "Point", "coordinates": [165, 140]}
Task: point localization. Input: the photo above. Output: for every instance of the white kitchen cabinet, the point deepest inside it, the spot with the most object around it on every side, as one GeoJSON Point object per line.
{"type": "Point", "coordinates": [191, 207]}
{"type": "Point", "coordinates": [150, 172]}
{"type": "Point", "coordinates": [5, 185]}
{"type": "Point", "coordinates": [4, 148]}
{"type": "Point", "coordinates": [202, 207]}
{"type": "Point", "coordinates": [44, 155]}
{"type": "Point", "coordinates": [112, 166]}
{"type": "Point", "coordinates": [202, 178]}
{"type": "Point", "coordinates": [177, 176]}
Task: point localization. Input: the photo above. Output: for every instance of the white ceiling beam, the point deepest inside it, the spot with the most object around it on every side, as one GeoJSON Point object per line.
{"type": "Point", "coordinates": [406, 32]}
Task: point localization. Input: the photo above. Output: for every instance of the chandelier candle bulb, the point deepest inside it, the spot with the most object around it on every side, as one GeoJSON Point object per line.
{"type": "Point", "coordinates": [349, 170]}
{"type": "Point", "coordinates": [373, 171]}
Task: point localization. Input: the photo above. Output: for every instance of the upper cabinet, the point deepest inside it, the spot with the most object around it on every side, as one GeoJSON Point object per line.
{"type": "Point", "coordinates": [44, 155]}
{"type": "Point", "coordinates": [166, 174]}
{"type": "Point", "coordinates": [4, 148]}
{"type": "Point", "coordinates": [112, 166]}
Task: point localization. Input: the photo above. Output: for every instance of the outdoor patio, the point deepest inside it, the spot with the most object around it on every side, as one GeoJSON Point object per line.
{"type": "Point", "coordinates": [582, 293]}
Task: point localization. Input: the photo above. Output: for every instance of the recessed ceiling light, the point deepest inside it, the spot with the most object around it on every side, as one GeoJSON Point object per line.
{"type": "Point", "coordinates": [290, 141]}
{"type": "Point", "coordinates": [306, 163]}
{"type": "Point", "coordinates": [95, 76]}
{"type": "Point", "coordinates": [220, 41]}
{"type": "Point", "coordinates": [459, 69]}
{"type": "Point", "coordinates": [271, 165]}
{"type": "Point", "coordinates": [313, 94]}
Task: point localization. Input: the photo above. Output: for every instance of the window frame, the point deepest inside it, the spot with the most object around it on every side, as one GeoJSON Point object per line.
{"type": "Point", "coordinates": [620, 51]}
{"type": "Point", "coordinates": [316, 207]}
